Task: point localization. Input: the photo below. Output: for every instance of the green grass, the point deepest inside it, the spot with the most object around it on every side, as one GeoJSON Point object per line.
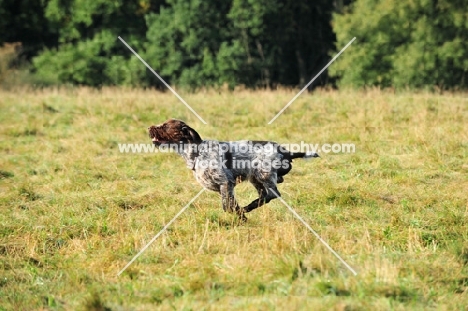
{"type": "Point", "coordinates": [75, 210]}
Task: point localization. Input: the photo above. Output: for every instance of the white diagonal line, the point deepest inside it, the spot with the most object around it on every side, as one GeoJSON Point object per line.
{"type": "Point", "coordinates": [313, 231]}
{"type": "Point", "coordinates": [305, 87]}
{"type": "Point", "coordinates": [160, 232]}
{"type": "Point", "coordinates": [162, 80]}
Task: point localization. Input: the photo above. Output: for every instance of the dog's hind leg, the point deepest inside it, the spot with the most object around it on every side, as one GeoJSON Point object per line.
{"type": "Point", "coordinates": [265, 195]}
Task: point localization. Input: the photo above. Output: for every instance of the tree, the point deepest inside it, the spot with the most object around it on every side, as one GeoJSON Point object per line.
{"type": "Point", "coordinates": [184, 38]}
{"type": "Point", "coordinates": [89, 52]}
{"type": "Point", "coordinates": [421, 43]}
{"type": "Point", "coordinates": [24, 21]}
{"type": "Point", "coordinates": [250, 42]}
{"type": "Point", "coordinates": [194, 43]}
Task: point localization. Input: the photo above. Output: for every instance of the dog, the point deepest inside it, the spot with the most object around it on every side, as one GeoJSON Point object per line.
{"type": "Point", "coordinates": [220, 166]}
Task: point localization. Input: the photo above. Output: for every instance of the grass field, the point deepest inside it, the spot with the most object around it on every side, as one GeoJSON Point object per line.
{"type": "Point", "coordinates": [74, 210]}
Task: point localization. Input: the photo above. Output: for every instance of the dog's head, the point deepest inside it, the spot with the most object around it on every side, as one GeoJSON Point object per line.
{"type": "Point", "coordinates": [173, 132]}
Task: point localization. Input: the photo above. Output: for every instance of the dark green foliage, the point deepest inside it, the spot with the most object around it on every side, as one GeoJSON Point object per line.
{"type": "Point", "coordinates": [89, 52]}
{"type": "Point", "coordinates": [184, 40]}
{"type": "Point", "coordinates": [25, 21]}
{"type": "Point", "coordinates": [403, 44]}
{"type": "Point", "coordinates": [283, 42]}
{"type": "Point", "coordinates": [190, 43]}
{"type": "Point", "coordinates": [256, 43]}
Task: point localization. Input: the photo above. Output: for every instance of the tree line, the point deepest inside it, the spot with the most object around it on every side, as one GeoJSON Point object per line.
{"type": "Point", "coordinates": [256, 43]}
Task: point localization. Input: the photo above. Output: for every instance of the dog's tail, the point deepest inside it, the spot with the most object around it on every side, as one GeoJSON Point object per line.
{"type": "Point", "coordinates": [304, 155]}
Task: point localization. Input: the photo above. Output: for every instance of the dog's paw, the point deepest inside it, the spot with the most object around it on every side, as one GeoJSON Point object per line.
{"type": "Point", "coordinates": [242, 218]}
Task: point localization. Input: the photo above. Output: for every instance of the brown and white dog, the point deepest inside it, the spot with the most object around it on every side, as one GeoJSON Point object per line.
{"type": "Point", "coordinates": [219, 166]}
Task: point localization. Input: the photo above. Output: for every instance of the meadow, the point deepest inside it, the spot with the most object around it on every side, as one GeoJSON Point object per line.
{"type": "Point", "coordinates": [74, 210]}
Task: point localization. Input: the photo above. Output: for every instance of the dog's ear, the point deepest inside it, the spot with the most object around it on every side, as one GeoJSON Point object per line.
{"type": "Point", "coordinates": [190, 132]}
{"type": "Point", "coordinates": [152, 131]}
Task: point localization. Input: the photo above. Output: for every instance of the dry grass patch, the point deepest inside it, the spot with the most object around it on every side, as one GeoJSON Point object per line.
{"type": "Point", "coordinates": [75, 210]}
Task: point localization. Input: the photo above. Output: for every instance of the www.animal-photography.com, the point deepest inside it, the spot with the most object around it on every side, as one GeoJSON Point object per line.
{"type": "Point", "coordinates": [233, 155]}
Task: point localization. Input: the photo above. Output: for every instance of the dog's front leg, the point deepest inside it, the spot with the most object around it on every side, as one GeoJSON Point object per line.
{"type": "Point", "coordinates": [229, 201]}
